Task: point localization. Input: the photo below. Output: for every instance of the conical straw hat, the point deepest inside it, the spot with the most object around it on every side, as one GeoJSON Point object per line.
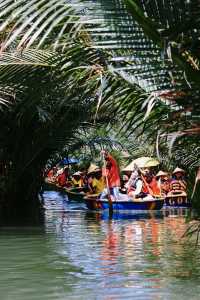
{"type": "Point", "coordinates": [142, 162]}
{"type": "Point", "coordinates": [178, 170]}
{"type": "Point", "coordinates": [161, 173]}
{"type": "Point", "coordinates": [93, 168]}
{"type": "Point", "coordinates": [77, 174]}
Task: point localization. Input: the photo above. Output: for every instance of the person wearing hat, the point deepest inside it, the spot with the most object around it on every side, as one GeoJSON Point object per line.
{"type": "Point", "coordinates": [77, 179]}
{"type": "Point", "coordinates": [163, 182]}
{"type": "Point", "coordinates": [150, 184]}
{"type": "Point", "coordinates": [178, 184]}
{"type": "Point", "coordinates": [96, 181]}
{"type": "Point", "coordinates": [134, 185]}
{"type": "Point", "coordinates": [111, 175]}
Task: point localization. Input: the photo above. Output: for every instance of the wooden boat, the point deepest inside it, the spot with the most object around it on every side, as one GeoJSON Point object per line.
{"type": "Point", "coordinates": [75, 194]}
{"type": "Point", "coordinates": [177, 201]}
{"type": "Point", "coordinates": [124, 203]}
{"type": "Point", "coordinates": [52, 186]}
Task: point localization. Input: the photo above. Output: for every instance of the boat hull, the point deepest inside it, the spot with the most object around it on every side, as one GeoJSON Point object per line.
{"type": "Point", "coordinates": [177, 201]}
{"type": "Point", "coordinates": [74, 195]}
{"type": "Point", "coordinates": [101, 204]}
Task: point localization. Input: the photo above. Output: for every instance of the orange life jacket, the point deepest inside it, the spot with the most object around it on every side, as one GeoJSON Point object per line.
{"type": "Point", "coordinates": [151, 188]}
{"type": "Point", "coordinates": [177, 185]}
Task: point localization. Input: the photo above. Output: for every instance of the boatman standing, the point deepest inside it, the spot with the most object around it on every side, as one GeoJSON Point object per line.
{"type": "Point", "coordinates": [110, 172]}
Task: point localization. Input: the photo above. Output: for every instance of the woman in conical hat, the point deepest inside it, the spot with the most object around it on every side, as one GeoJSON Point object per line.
{"type": "Point", "coordinates": [93, 168]}
{"type": "Point", "coordinates": [161, 174]}
{"type": "Point", "coordinates": [178, 184]}
{"type": "Point", "coordinates": [77, 179]}
{"type": "Point", "coordinates": [178, 170]}
{"type": "Point", "coordinates": [163, 182]}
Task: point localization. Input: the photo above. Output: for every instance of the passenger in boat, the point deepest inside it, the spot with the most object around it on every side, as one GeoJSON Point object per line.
{"type": "Point", "coordinates": [178, 184]}
{"type": "Point", "coordinates": [142, 184]}
{"type": "Point", "coordinates": [97, 183]}
{"type": "Point", "coordinates": [90, 177]}
{"type": "Point", "coordinates": [52, 174]}
{"type": "Point", "coordinates": [77, 180]}
{"type": "Point", "coordinates": [63, 177]}
{"type": "Point", "coordinates": [111, 176]}
{"type": "Point", "coordinates": [124, 182]}
{"type": "Point", "coordinates": [135, 188]}
{"type": "Point", "coordinates": [85, 178]}
{"type": "Point", "coordinates": [150, 184]}
{"type": "Point", "coordinates": [135, 184]}
{"type": "Point", "coordinates": [163, 182]}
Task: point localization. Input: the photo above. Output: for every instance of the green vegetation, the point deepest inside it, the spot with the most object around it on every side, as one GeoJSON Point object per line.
{"type": "Point", "coordinates": [66, 66]}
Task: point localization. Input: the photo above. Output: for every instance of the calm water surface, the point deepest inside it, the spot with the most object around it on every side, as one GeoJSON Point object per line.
{"type": "Point", "coordinates": [81, 255]}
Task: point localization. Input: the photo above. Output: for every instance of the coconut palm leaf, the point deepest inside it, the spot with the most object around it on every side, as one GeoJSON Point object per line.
{"type": "Point", "coordinates": [137, 44]}
{"type": "Point", "coordinates": [51, 101]}
{"type": "Point", "coordinates": [110, 27]}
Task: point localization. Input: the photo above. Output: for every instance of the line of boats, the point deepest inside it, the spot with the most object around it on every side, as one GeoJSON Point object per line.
{"type": "Point", "coordinates": [94, 202]}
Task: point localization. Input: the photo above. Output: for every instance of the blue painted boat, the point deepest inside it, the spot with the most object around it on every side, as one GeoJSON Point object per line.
{"type": "Point", "coordinates": [177, 201]}
{"type": "Point", "coordinates": [94, 203]}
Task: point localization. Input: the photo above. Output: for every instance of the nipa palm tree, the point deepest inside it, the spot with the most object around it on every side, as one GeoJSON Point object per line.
{"type": "Point", "coordinates": [153, 45]}
{"type": "Point", "coordinates": [49, 100]}
{"type": "Point", "coordinates": [149, 49]}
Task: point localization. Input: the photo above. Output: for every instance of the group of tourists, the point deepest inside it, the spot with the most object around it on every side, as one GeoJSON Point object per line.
{"type": "Point", "coordinates": [144, 182]}
{"type": "Point", "coordinates": [139, 183]}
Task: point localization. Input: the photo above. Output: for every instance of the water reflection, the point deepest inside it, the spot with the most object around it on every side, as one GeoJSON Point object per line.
{"type": "Point", "coordinates": [142, 257]}
{"type": "Point", "coordinates": [82, 255]}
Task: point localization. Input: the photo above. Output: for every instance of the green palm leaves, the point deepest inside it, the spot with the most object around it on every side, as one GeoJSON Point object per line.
{"type": "Point", "coordinates": [151, 45]}
{"type": "Point", "coordinates": [50, 100]}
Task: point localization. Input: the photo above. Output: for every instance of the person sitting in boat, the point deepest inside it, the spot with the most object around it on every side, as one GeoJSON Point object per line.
{"type": "Point", "coordinates": [97, 183]}
{"type": "Point", "coordinates": [178, 184]}
{"type": "Point", "coordinates": [90, 177]}
{"type": "Point", "coordinates": [163, 182]}
{"type": "Point", "coordinates": [77, 180]}
{"type": "Point", "coordinates": [124, 181]}
{"type": "Point", "coordinates": [135, 185]}
{"type": "Point", "coordinates": [63, 177]}
{"type": "Point", "coordinates": [150, 184]}
{"type": "Point", "coordinates": [51, 175]}
{"type": "Point", "coordinates": [111, 176]}
{"type": "Point", "coordinates": [141, 184]}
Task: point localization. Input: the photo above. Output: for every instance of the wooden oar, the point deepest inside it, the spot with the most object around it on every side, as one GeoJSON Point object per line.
{"type": "Point", "coordinates": [108, 189]}
{"type": "Point", "coordinates": [143, 179]}
{"type": "Point", "coordinates": [145, 182]}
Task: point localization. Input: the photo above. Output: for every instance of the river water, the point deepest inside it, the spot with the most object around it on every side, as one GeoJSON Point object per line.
{"type": "Point", "coordinates": [81, 255]}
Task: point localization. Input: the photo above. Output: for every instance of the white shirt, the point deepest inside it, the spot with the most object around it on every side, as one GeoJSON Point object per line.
{"type": "Point", "coordinates": [138, 187]}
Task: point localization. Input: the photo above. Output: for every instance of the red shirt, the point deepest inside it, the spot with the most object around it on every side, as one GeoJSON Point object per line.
{"type": "Point", "coordinates": [50, 174]}
{"type": "Point", "coordinates": [61, 179]}
{"type": "Point", "coordinates": [112, 173]}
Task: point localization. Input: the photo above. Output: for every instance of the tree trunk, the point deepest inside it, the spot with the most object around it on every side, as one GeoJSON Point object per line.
{"type": "Point", "coordinates": [20, 205]}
